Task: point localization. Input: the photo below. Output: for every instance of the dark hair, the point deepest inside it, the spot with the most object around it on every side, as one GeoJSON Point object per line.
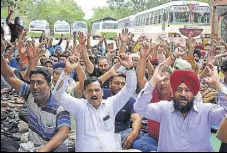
{"type": "Point", "coordinates": [198, 52]}
{"type": "Point", "coordinates": [53, 56]}
{"type": "Point", "coordinates": [102, 58]}
{"type": "Point", "coordinates": [41, 70]}
{"type": "Point", "coordinates": [117, 75]}
{"type": "Point", "coordinates": [91, 80]}
{"type": "Point", "coordinates": [224, 66]}
{"type": "Point", "coordinates": [58, 71]}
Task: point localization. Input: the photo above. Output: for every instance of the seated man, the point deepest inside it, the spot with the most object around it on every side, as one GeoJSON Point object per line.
{"type": "Point", "coordinates": [95, 115]}
{"type": "Point", "coordinates": [182, 119]}
{"type": "Point", "coordinates": [49, 124]}
{"type": "Point", "coordinates": [127, 113]}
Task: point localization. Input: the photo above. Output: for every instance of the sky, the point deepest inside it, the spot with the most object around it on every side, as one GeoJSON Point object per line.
{"type": "Point", "coordinates": [87, 6]}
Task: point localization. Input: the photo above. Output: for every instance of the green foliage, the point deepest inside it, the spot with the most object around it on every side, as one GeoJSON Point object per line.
{"type": "Point", "coordinates": [4, 12]}
{"type": "Point", "coordinates": [50, 10]}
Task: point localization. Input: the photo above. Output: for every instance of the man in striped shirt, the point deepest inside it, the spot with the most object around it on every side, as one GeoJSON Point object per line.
{"type": "Point", "coordinates": [49, 124]}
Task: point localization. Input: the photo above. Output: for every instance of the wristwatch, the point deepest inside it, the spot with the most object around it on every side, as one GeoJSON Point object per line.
{"type": "Point", "coordinates": [128, 69]}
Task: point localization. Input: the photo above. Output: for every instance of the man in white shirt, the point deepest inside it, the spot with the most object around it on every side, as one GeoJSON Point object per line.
{"type": "Point", "coordinates": [94, 116]}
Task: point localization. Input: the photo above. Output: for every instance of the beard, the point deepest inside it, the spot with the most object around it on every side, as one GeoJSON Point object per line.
{"type": "Point", "coordinates": [183, 108]}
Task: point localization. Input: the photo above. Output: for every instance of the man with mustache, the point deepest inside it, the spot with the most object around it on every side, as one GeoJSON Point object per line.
{"type": "Point", "coordinates": [94, 116]}
{"type": "Point", "coordinates": [184, 123]}
{"type": "Point", "coordinates": [49, 124]}
{"type": "Point", "coordinates": [127, 113]}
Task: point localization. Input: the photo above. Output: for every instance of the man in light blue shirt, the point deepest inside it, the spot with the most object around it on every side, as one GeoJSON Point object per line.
{"type": "Point", "coordinates": [184, 123]}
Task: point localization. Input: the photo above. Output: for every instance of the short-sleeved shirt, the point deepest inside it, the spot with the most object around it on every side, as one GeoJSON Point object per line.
{"type": "Point", "coordinates": [15, 31]}
{"type": "Point", "coordinates": [44, 122]}
{"type": "Point", "coordinates": [122, 120]}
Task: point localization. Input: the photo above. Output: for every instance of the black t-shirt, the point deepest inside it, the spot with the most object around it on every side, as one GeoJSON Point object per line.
{"type": "Point", "coordinates": [97, 74]}
{"type": "Point", "coordinates": [123, 117]}
{"type": "Point", "coordinates": [15, 30]}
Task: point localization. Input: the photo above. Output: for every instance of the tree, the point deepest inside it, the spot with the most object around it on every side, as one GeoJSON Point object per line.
{"type": "Point", "coordinates": [51, 10]}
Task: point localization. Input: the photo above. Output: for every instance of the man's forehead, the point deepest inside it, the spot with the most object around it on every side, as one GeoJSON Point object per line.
{"type": "Point", "coordinates": [182, 85]}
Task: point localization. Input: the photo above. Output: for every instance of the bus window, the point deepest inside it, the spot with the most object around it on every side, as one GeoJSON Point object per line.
{"type": "Point", "coordinates": [37, 26]}
{"type": "Point", "coordinates": [95, 26]}
{"type": "Point", "coordinates": [147, 19]}
{"type": "Point", "coordinates": [109, 26]}
{"type": "Point", "coordinates": [62, 28]}
{"type": "Point", "coordinates": [151, 18]}
{"type": "Point", "coordinates": [201, 18]}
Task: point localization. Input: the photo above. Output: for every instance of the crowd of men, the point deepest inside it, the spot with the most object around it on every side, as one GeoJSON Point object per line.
{"type": "Point", "coordinates": [179, 87]}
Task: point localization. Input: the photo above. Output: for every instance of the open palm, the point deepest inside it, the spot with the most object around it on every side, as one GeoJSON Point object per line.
{"type": "Point", "coordinates": [125, 60]}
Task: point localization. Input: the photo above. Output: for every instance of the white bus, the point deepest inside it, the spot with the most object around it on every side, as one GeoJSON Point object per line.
{"type": "Point", "coordinates": [36, 27]}
{"type": "Point", "coordinates": [61, 27]}
{"type": "Point", "coordinates": [79, 26]}
{"type": "Point", "coordinates": [174, 19]}
{"type": "Point", "coordinates": [110, 28]}
{"type": "Point", "coordinates": [127, 22]}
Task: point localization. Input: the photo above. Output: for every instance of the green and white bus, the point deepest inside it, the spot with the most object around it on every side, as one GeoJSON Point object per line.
{"type": "Point", "coordinates": [36, 27]}
{"type": "Point", "coordinates": [61, 27]}
{"type": "Point", "coordinates": [110, 28]}
{"type": "Point", "coordinates": [79, 26]}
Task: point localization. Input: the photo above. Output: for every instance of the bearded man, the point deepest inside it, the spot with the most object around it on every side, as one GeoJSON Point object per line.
{"type": "Point", "coordinates": [184, 123]}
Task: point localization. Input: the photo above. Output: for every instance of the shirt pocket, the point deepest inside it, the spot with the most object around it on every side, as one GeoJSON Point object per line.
{"type": "Point", "coordinates": [109, 124]}
{"type": "Point", "coordinates": [48, 121]}
{"type": "Point", "coordinates": [195, 133]}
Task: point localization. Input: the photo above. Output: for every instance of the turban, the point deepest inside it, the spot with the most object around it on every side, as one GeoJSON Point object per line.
{"type": "Point", "coordinates": [59, 65]}
{"type": "Point", "coordinates": [183, 64]}
{"type": "Point", "coordinates": [189, 78]}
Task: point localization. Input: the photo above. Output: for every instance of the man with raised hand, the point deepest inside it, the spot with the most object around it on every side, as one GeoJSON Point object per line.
{"type": "Point", "coordinates": [94, 116]}
{"type": "Point", "coordinates": [184, 124]}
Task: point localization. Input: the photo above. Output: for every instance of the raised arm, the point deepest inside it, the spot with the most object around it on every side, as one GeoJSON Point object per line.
{"type": "Point", "coordinates": [140, 71]}
{"type": "Point", "coordinates": [88, 64]}
{"type": "Point", "coordinates": [34, 54]}
{"type": "Point", "coordinates": [109, 73]}
{"type": "Point", "coordinates": [217, 112]}
{"type": "Point", "coordinates": [7, 72]}
{"type": "Point", "coordinates": [124, 38]}
{"type": "Point", "coordinates": [70, 103]}
{"type": "Point", "coordinates": [115, 103]}
{"type": "Point", "coordinates": [79, 89]}
{"type": "Point", "coordinates": [9, 17]}
{"type": "Point", "coordinates": [142, 104]}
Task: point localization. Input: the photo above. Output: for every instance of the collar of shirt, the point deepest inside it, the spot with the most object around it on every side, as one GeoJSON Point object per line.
{"type": "Point", "coordinates": [195, 107]}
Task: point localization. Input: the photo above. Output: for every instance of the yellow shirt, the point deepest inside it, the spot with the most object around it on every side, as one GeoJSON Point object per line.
{"type": "Point", "coordinates": [221, 75]}
{"type": "Point", "coordinates": [137, 47]}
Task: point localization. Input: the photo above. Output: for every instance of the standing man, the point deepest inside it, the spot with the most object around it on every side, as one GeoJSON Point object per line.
{"type": "Point", "coordinates": [16, 29]}
{"type": "Point", "coordinates": [94, 116]}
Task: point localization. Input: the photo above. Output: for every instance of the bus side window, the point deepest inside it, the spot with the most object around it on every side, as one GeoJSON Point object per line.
{"type": "Point", "coordinates": [151, 18]}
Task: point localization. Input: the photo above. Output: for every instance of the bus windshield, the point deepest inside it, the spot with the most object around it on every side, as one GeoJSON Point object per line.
{"type": "Point", "coordinates": [37, 26]}
{"type": "Point", "coordinates": [182, 14]}
{"type": "Point", "coordinates": [109, 26]}
{"type": "Point", "coordinates": [62, 28]}
{"type": "Point", "coordinates": [79, 25]}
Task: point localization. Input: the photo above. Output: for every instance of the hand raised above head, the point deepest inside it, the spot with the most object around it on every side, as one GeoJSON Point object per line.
{"type": "Point", "coordinates": [125, 60]}
{"type": "Point", "coordinates": [71, 64]}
